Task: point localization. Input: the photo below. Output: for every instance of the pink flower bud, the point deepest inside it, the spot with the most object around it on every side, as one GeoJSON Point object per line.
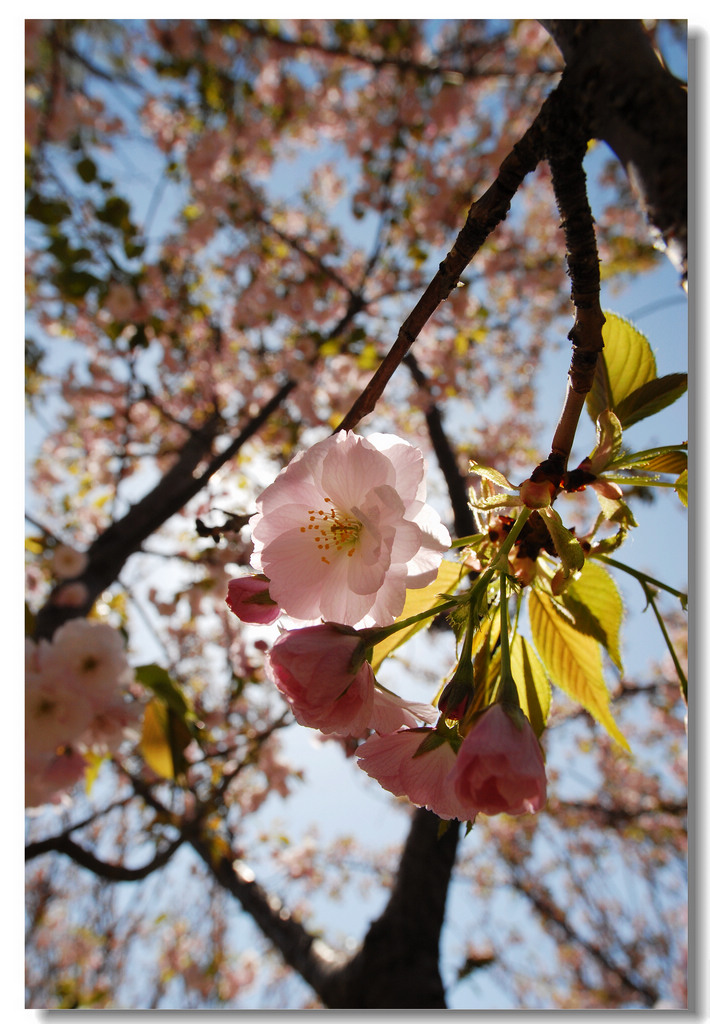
{"type": "Point", "coordinates": [248, 597]}
{"type": "Point", "coordinates": [537, 494]}
{"type": "Point", "coordinates": [313, 669]}
{"type": "Point", "coordinates": [499, 767]}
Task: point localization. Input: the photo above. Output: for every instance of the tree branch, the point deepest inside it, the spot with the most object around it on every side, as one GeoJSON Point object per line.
{"type": "Point", "coordinates": [629, 100]}
{"type": "Point", "coordinates": [565, 147]}
{"type": "Point", "coordinates": [554, 916]}
{"type": "Point", "coordinates": [464, 523]}
{"type": "Point", "coordinates": [104, 869]}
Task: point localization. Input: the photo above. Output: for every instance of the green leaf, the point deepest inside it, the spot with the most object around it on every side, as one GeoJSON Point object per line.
{"type": "Point", "coordinates": [566, 545]}
{"type": "Point", "coordinates": [669, 462]}
{"type": "Point", "coordinates": [616, 511]}
{"type": "Point", "coordinates": [418, 601]}
{"type": "Point", "coordinates": [663, 459]}
{"type": "Point", "coordinates": [651, 397]}
{"type": "Point", "coordinates": [47, 211]}
{"type": "Point", "coordinates": [597, 608]}
{"type": "Point", "coordinates": [161, 683]}
{"type": "Point", "coordinates": [86, 169]}
{"type": "Point", "coordinates": [608, 443]}
{"type": "Point", "coordinates": [491, 474]}
{"type": "Point", "coordinates": [572, 660]}
{"type": "Point", "coordinates": [532, 683]}
{"type": "Point", "coordinates": [681, 487]}
{"type": "Point", "coordinates": [626, 363]}
{"type": "Point", "coordinates": [494, 501]}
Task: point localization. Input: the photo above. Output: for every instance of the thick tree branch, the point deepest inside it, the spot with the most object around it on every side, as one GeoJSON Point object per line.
{"type": "Point", "coordinates": [312, 958]}
{"type": "Point", "coordinates": [566, 145]}
{"type": "Point", "coordinates": [627, 98]}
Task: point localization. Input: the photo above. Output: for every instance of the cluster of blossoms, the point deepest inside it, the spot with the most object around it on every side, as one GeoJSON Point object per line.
{"type": "Point", "coordinates": [75, 703]}
{"type": "Point", "coordinates": [339, 537]}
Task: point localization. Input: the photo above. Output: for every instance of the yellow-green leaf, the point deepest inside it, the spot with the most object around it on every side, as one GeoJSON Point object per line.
{"type": "Point", "coordinates": [572, 660]}
{"type": "Point", "coordinates": [532, 683]}
{"type": "Point", "coordinates": [626, 363]}
{"type": "Point", "coordinates": [681, 487]}
{"type": "Point", "coordinates": [155, 744]}
{"type": "Point", "coordinates": [418, 601]}
{"type": "Point", "coordinates": [494, 475]}
{"type": "Point", "coordinates": [651, 397]}
{"type": "Point", "coordinates": [566, 544]}
{"type": "Point", "coordinates": [669, 462]}
{"type": "Point", "coordinates": [595, 602]}
{"type": "Point", "coordinates": [94, 761]}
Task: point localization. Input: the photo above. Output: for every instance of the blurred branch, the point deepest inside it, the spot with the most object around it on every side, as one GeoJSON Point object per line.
{"type": "Point", "coordinates": [558, 922]}
{"type": "Point", "coordinates": [104, 869]}
{"type": "Point", "coordinates": [464, 523]}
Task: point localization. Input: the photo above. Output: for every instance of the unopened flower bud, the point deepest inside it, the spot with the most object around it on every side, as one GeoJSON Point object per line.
{"type": "Point", "coordinates": [457, 695]}
{"type": "Point", "coordinates": [537, 494]}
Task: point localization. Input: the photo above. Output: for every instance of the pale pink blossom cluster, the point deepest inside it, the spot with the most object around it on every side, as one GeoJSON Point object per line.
{"type": "Point", "coordinates": [75, 702]}
{"type": "Point", "coordinates": [341, 535]}
{"type": "Point", "coordinates": [344, 531]}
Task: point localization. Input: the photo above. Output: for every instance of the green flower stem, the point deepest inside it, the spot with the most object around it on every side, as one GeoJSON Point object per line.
{"type": "Point", "coordinates": [508, 691]}
{"type": "Point", "coordinates": [669, 644]}
{"type": "Point", "coordinates": [647, 584]}
{"type": "Point", "coordinates": [642, 577]}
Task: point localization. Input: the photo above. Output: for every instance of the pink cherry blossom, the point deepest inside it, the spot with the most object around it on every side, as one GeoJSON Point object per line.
{"type": "Point", "coordinates": [423, 779]}
{"type": "Point", "coordinates": [312, 667]}
{"type": "Point", "coordinates": [344, 530]}
{"type": "Point", "coordinates": [92, 654]}
{"type": "Point", "coordinates": [248, 597]}
{"type": "Point", "coordinates": [67, 562]}
{"type": "Point", "coordinates": [390, 713]}
{"type": "Point", "coordinates": [56, 709]}
{"type": "Point", "coordinates": [48, 776]}
{"type": "Point", "coordinates": [499, 767]}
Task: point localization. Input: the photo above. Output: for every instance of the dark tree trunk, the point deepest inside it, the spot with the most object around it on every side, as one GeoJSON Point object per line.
{"type": "Point", "coordinates": [397, 966]}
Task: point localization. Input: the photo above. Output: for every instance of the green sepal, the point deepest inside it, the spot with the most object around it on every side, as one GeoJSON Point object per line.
{"type": "Point", "coordinates": [566, 544]}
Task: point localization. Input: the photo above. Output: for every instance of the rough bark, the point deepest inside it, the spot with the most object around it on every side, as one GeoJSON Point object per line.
{"type": "Point", "coordinates": [397, 966]}
{"type": "Point", "coordinates": [629, 100]}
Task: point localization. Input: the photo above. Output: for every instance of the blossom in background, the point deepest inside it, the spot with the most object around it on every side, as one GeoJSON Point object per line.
{"type": "Point", "coordinates": [423, 779]}
{"type": "Point", "coordinates": [499, 767]}
{"type": "Point", "coordinates": [312, 667]}
{"type": "Point", "coordinates": [67, 562]}
{"type": "Point", "coordinates": [74, 701]}
{"type": "Point", "coordinates": [344, 531]}
{"type": "Point", "coordinates": [56, 710]}
{"type": "Point", "coordinates": [248, 597]}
